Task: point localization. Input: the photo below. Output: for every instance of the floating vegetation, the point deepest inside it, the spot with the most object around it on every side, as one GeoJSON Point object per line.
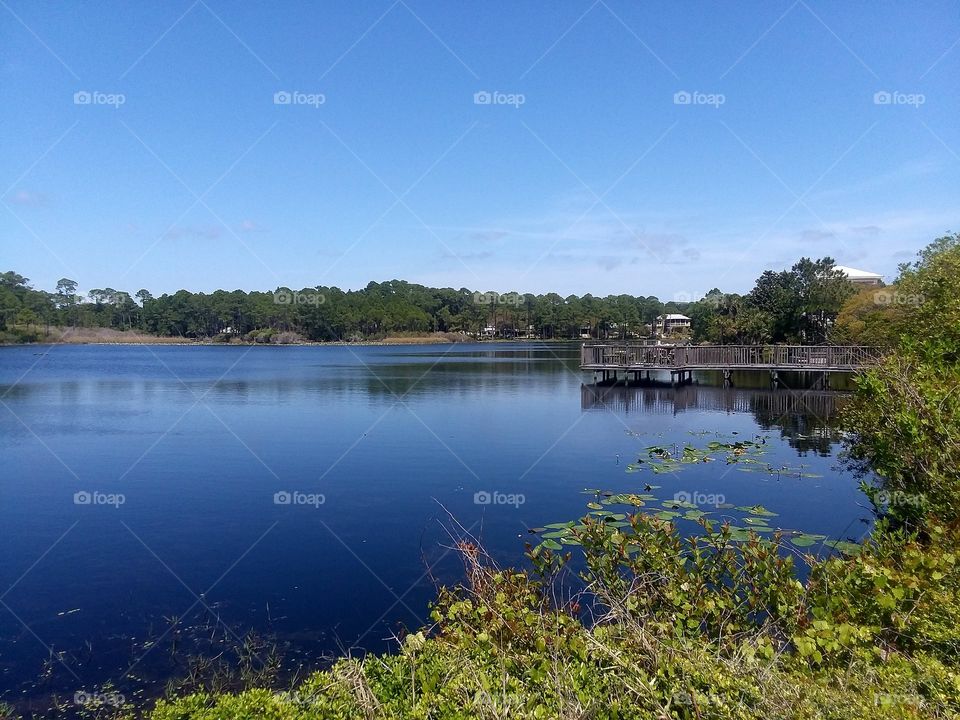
{"type": "Point", "coordinates": [806, 539]}
{"type": "Point", "coordinates": [755, 520]}
{"type": "Point", "coordinates": [746, 454]}
{"type": "Point", "coordinates": [845, 546]}
{"type": "Point", "coordinates": [743, 522]}
{"type": "Point", "coordinates": [758, 510]}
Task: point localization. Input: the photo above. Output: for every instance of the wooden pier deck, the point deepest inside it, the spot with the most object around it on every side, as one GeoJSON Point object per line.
{"type": "Point", "coordinates": [680, 360]}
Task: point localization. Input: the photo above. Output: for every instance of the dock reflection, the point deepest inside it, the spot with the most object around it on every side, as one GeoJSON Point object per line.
{"type": "Point", "coordinates": [805, 418]}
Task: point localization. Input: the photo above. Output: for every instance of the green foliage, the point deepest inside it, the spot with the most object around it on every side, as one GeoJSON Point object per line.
{"type": "Point", "coordinates": [921, 304]}
{"type": "Point", "coordinates": [684, 629]}
{"type": "Point", "coordinates": [794, 306]}
{"type": "Point", "coordinates": [904, 423]}
{"type": "Point", "coordinates": [328, 313]}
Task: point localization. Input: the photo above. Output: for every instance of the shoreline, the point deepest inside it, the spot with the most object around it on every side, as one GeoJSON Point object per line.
{"type": "Point", "coordinates": [306, 343]}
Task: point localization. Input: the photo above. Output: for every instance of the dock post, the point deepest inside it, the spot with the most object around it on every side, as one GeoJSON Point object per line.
{"type": "Point", "coordinates": [774, 379]}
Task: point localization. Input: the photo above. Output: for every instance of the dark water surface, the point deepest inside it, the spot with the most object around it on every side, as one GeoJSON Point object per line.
{"type": "Point", "coordinates": [199, 440]}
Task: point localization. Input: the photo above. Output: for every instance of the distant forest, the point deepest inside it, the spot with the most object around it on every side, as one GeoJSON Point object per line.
{"type": "Point", "coordinates": [795, 305]}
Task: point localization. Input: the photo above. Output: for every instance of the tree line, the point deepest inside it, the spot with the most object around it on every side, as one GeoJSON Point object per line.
{"type": "Point", "coordinates": [796, 305]}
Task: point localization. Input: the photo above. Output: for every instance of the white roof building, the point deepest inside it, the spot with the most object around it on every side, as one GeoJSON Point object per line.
{"type": "Point", "coordinates": [859, 277]}
{"type": "Point", "coordinates": [672, 321]}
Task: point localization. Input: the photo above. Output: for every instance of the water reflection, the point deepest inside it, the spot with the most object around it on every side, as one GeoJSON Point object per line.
{"type": "Point", "coordinates": [806, 419]}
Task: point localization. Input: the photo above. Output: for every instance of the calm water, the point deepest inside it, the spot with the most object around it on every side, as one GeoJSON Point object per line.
{"type": "Point", "coordinates": [395, 442]}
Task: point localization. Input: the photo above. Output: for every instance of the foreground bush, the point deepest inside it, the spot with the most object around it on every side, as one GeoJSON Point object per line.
{"type": "Point", "coordinates": [683, 629]}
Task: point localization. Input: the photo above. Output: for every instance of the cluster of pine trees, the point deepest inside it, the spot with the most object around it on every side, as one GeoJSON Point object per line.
{"type": "Point", "coordinates": [795, 305]}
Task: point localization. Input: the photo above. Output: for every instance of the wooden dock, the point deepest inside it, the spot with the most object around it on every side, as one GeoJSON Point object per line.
{"type": "Point", "coordinates": [611, 359]}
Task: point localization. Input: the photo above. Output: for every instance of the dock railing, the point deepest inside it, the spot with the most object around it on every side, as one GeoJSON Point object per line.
{"type": "Point", "coordinates": [631, 356]}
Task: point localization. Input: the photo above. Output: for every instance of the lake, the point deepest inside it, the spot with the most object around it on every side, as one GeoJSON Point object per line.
{"type": "Point", "coordinates": [312, 494]}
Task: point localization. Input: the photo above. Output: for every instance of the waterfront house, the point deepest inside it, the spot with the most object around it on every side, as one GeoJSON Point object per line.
{"type": "Point", "coordinates": [672, 322]}
{"type": "Point", "coordinates": [859, 277]}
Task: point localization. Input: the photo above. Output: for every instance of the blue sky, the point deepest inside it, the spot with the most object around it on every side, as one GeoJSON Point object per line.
{"type": "Point", "coordinates": [587, 173]}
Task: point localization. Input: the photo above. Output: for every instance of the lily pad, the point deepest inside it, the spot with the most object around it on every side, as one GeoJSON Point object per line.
{"type": "Point", "coordinates": [759, 510]}
{"type": "Point", "coordinates": [806, 539]}
{"type": "Point", "coordinates": [844, 546]}
{"type": "Point", "coordinates": [674, 504]}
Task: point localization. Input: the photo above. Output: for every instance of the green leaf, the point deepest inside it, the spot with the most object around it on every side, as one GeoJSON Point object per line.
{"type": "Point", "coordinates": [757, 510]}
{"type": "Point", "coordinates": [674, 504]}
{"type": "Point", "coordinates": [806, 539]}
{"type": "Point", "coordinates": [844, 546]}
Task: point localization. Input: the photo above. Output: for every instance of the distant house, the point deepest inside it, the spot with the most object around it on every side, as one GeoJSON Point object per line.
{"type": "Point", "coordinates": [672, 322]}
{"type": "Point", "coordinates": [859, 277]}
